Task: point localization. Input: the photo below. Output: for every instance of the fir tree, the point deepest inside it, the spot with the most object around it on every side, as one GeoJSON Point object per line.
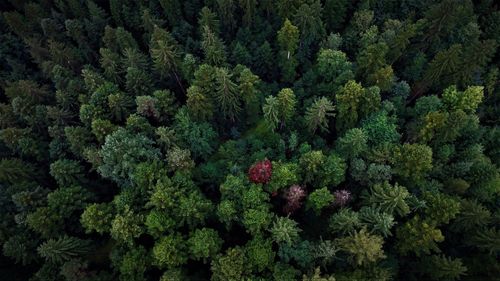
{"type": "Point", "coordinates": [63, 249]}
{"type": "Point", "coordinates": [317, 114]}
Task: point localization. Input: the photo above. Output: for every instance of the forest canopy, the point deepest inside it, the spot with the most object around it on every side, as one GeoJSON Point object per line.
{"type": "Point", "coordinates": [249, 140]}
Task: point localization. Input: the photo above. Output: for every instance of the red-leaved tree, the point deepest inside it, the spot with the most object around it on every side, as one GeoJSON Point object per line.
{"type": "Point", "coordinates": [260, 172]}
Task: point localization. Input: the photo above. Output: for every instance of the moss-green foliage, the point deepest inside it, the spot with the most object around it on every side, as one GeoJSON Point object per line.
{"type": "Point", "coordinates": [362, 247]}
{"type": "Point", "coordinates": [249, 140]}
{"type": "Point", "coordinates": [419, 237]}
{"type": "Point", "coordinates": [204, 243]}
{"type": "Point", "coordinates": [97, 217]}
{"type": "Point", "coordinates": [126, 226]}
{"type": "Point", "coordinates": [231, 266]}
{"type": "Point", "coordinates": [170, 251]}
{"type": "Point", "coordinates": [284, 230]}
{"type": "Point", "coordinates": [319, 199]}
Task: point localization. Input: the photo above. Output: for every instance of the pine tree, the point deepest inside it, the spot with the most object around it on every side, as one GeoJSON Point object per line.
{"type": "Point", "coordinates": [334, 70]}
{"type": "Point", "coordinates": [279, 109]}
{"type": "Point", "coordinates": [249, 86]}
{"type": "Point", "coordinates": [344, 222]}
{"type": "Point", "coordinates": [226, 95]}
{"type": "Point", "coordinates": [172, 11]}
{"type": "Point", "coordinates": [165, 54]}
{"type": "Point", "coordinates": [226, 11]}
{"type": "Point", "coordinates": [353, 143]}
{"type": "Point", "coordinates": [63, 249]}
{"type": "Point", "coordinates": [354, 103]}
{"type": "Point", "coordinates": [286, 99]}
{"type": "Point", "coordinates": [418, 236]}
{"type": "Point", "coordinates": [317, 114]}
{"type": "Point", "coordinates": [363, 248]}
{"type": "Point", "coordinates": [390, 199]}
{"type": "Point", "coordinates": [308, 20]}
{"type": "Point", "coordinates": [288, 39]}
{"type": "Point", "coordinates": [472, 215]}
{"type": "Point", "coordinates": [199, 105]}
{"type": "Point", "coordinates": [213, 47]}
{"type": "Point", "coordinates": [250, 8]}
{"type": "Point", "coordinates": [271, 111]}
{"type": "Point", "coordinates": [443, 66]}
{"type": "Point", "coordinates": [486, 240]}
{"type": "Point", "coordinates": [21, 247]}
{"type": "Point", "coordinates": [15, 170]}
{"type": "Point", "coordinates": [377, 221]}
{"type": "Point", "coordinates": [208, 18]}
{"type": "Point", "coordinates": [443, 268]}
{"type": "Point", "coordinates": [284, 230]}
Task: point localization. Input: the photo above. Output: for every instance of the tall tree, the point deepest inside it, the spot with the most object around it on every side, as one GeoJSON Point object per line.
{"type": "Point", "coordinates": [165, 54]}
{"type": "Point", "coordinates": [226, 95]}
{"type": "Point", "coordinates": [279, 110]}
{"type": "Point", "coordinates": [288, 39]}
{"type": "Point", "coordinates": [317, 114]}
{"type": "Point", "coordinates": [213, 47]}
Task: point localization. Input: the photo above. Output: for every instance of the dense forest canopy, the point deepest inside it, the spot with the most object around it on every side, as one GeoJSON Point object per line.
{"type": "Point", "coordinates": [259, 140]}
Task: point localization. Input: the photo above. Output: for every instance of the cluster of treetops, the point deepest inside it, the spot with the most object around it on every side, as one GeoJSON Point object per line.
{"type": "Point", "coordinates": [249, 140]}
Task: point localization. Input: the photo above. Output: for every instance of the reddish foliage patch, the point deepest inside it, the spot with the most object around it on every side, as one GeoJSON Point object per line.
{"type": "Point", "coordinates": [294, 196]}
{"type": "Point", "coordinates": [260, 172]}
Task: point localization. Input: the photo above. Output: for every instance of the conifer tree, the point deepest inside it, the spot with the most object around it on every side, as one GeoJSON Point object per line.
{"type": "Point", "coordinates": [288, 39]}
{"type": "Point", "coordinates": [226, 95]}
{"type": "Point", "coordinates": [390, 199]}
{"type": "Point", "coordinates": [213, 47]}
{"type": "Point", "coordinates": [318, 113]}
{"type": "Point", "coordinates": [278, 110]}
{"type": "Point", "coordinates": [165, 54]}
{"type": "Point", "coordinates": [172, 11]}
{"type": "Point", "coordinates": [63, 249]}
{"type": "Point", "coordinates": [363, 248]}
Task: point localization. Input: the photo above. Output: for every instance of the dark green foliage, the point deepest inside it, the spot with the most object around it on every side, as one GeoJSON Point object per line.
{"type": "Point", "coordinates": [21, 248]}
{"type": "Point", "coordinates": [260, 254]}
{"type": "Point", "coordinates": [65, 200]}
{"type": "Point", "coordinates": [344, 221]}
{"type": "Point", "coordinates": [122, 151]}
{"type": "Point", "coordinates": [63, 249]}
{"type": "Point", "coordinates": [390, 199]}
{"type": "Point", "coordinates": [15, 170]}
{"type": "Point", "coordinates": [249, 140]}
{"type": "Point", "coordinates": [134, 264]}
{"type": "Point", "coordinates": [443, 268]}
